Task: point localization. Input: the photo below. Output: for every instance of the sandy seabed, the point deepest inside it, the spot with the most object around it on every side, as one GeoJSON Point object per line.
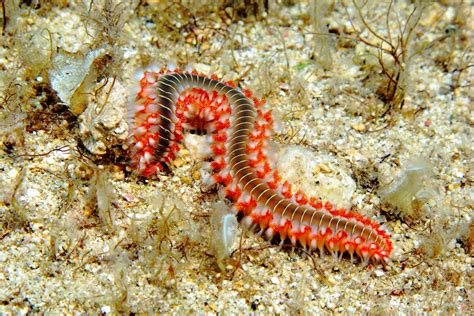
{"type": "Point", "coordinates": [81, 233]}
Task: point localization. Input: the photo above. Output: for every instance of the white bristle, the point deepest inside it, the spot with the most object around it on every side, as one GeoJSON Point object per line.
{"type": "Point", "coordinates": [269, 233]}
{"type": "Point", "coordinates": [141, 165]}
{"type": "Point", "coordinates": [147, 157]}
{"type": "Point", "coordinates": [141, 130]}
{"type": "Point", "coordinates": [139, 107]}
{"type": "Point", "coordinates": [153, 120]}
{"type": "Point", "coordinates": [245, 197]}
{"type": "Point", "coordinates": [154, 129]}
{"type": "Point", "coordinates": [312, 244]}
{"type": "Point", "coordinates": [149, 77]}
{"type": "Point", "coordinates": [138, 145]}
{"type": "Point", "coordinates": [152, 108]}
{"type": "Point", "coordinates": [247, 222]}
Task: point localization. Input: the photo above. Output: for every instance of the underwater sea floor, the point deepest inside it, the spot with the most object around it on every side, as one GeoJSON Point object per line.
{"type": "Point", "coordinates": [373, 108]}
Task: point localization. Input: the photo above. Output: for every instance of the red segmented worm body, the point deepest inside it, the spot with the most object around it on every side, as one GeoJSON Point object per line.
{"type": "Point", "coordinates": [238, 133]}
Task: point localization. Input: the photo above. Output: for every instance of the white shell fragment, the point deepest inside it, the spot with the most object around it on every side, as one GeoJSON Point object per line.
{"type": "Point", "coordinates": [72, 75]}
{"type": "Point", "coordinates": [224, 232]}
{"type": "Point", "coordinates": [103, 123]}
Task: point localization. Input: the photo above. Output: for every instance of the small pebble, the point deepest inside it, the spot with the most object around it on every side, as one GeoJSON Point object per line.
{"type": "Point", "coordinates": [105, 309]}
{"type": "Point", "coordinates": [186, 180]}
{"type": "Point", "coordinates": [196, 175]}
{"type": "Point", "coordinates": [359, 127]}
